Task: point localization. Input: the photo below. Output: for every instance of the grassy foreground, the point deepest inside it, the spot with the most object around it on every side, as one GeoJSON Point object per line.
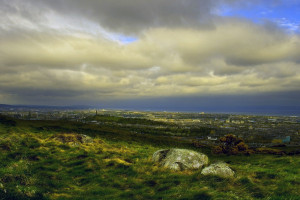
{"type": "Point", "coordinates": [36, 164]}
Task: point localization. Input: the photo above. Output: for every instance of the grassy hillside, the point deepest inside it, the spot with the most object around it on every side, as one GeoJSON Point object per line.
{"type": "Point", "coordinates": [48, 160]}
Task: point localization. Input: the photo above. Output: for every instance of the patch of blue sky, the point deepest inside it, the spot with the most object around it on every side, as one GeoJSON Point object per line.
{"type": "Point", "coordinates": [284, 13]}
{"type": "Point", "coordinates": [126, 39]}
{"type": "Point", "coordinates": [77, 26]}
{"type": "Point", "coordinates": [117, 37]}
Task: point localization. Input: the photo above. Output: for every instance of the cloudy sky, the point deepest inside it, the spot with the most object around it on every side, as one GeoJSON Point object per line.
{"type": "Point", "coordinates": [151, 54]}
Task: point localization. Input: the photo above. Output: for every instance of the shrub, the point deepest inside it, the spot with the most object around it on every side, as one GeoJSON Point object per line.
{"type": "Point", "coordinates": [231, 145]}
{"type": "Point", "coordinates": [217, 150]}
{"type": "Point", "coordinates": [7, 121]}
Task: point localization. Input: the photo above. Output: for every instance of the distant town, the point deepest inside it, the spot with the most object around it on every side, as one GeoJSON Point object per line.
{"type": "Point", "coordinates": [203, 127]}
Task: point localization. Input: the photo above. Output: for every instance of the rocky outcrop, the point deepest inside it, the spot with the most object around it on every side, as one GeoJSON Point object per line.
{"type": "Point", "coordinates": [180, 159]}
{"type": "Point", "coordinates": [218, 169]}
{"type": "Point", "coordinates": [72, 138]}
{"type": "Point", "coordinates": [86, 138]}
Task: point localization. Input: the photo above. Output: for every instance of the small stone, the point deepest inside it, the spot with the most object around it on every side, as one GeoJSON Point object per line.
{"type": "Point", "coordinates": [219, 169]}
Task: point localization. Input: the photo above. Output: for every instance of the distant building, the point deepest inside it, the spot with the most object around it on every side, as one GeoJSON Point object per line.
{"type": "Point", "coordinates": [287, 139]}
{"type": "Point", "coordinates": [211, 138]}
{"type": "Point", "coordinates": [272, 120]}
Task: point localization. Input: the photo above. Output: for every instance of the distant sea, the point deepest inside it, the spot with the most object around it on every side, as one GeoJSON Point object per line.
{"type": "Point", "coordinates": [262, 112]}
{"type": "Point", "coordinates": [238, 110]}
{"type": "Point", "coordinates": [255, 112]}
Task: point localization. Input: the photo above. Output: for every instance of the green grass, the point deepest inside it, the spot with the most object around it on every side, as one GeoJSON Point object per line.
{"type": "Point", "coordinates": [34, 164]}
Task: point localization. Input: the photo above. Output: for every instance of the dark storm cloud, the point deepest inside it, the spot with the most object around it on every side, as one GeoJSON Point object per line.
{"type": "Point", "coordinates": [130, 16]}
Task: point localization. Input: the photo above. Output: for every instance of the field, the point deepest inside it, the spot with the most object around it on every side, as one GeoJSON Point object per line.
{"type": "Point", "coordinates": [51, 160]}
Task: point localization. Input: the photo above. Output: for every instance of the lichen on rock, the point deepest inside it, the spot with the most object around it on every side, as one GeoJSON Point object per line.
{"type": "Point", "coordinates": [219, 169]}
{"type": "Point", "coordinates": [180, 159]}
{"type": "Point", "coordinates": [73, 138]}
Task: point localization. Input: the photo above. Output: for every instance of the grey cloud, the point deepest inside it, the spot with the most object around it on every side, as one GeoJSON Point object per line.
{"type": "Point", "coordinates": [21, 14]}
{"type": "Point", "coordinates": [239, 42]}
{"type": "Point", "coordinates": [126, 16]}
{"type": "Point", "coordinates": [156, 65]}
{"type": "Point", "coordinates": [227, 70]}
{"type": "Point", "coordinates": [130, 16]}
{"type": "Point", "coordinates": [63, 51]}
{"type": "Point", "coordinates": [174, 57]}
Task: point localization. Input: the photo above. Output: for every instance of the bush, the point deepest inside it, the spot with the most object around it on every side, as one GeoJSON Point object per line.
{"type": "Point", "coordinates": [217, 150]}
{"type": "Point", "coordinates": [231, 145]}
{"type": "Point", "coordinates": [7, 121]}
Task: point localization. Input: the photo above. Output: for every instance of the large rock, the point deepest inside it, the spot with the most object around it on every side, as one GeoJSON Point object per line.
{"type": "Point", "coordinates": [73, 138]}
{"type": "Point", "coordinates": [219, 169]}
{"type": "Point", "coordinates": [86, 138]}
{"type": "Point", "coordinates": [180, 159]}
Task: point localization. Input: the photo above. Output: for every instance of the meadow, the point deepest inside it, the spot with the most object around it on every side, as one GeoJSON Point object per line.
{"type": "Point", "coordinates": [50, 160]}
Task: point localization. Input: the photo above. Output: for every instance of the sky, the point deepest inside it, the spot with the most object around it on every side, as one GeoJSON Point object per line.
{"type": "Point", "coordinates": [187, 55]}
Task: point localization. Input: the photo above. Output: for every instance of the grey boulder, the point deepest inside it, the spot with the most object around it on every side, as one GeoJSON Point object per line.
{"type": "Point", "coordinates": [85, 138]}
{"type": "Point", "coordinates": [218, 169]}
{"type": "Point", "coordinates": [73, 138]}
{"type": "Point", "coordinates": [180, 159]}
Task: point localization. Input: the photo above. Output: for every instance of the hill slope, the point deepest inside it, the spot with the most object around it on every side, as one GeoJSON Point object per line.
{"type": "Point", "coordinates": [51, 160]}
